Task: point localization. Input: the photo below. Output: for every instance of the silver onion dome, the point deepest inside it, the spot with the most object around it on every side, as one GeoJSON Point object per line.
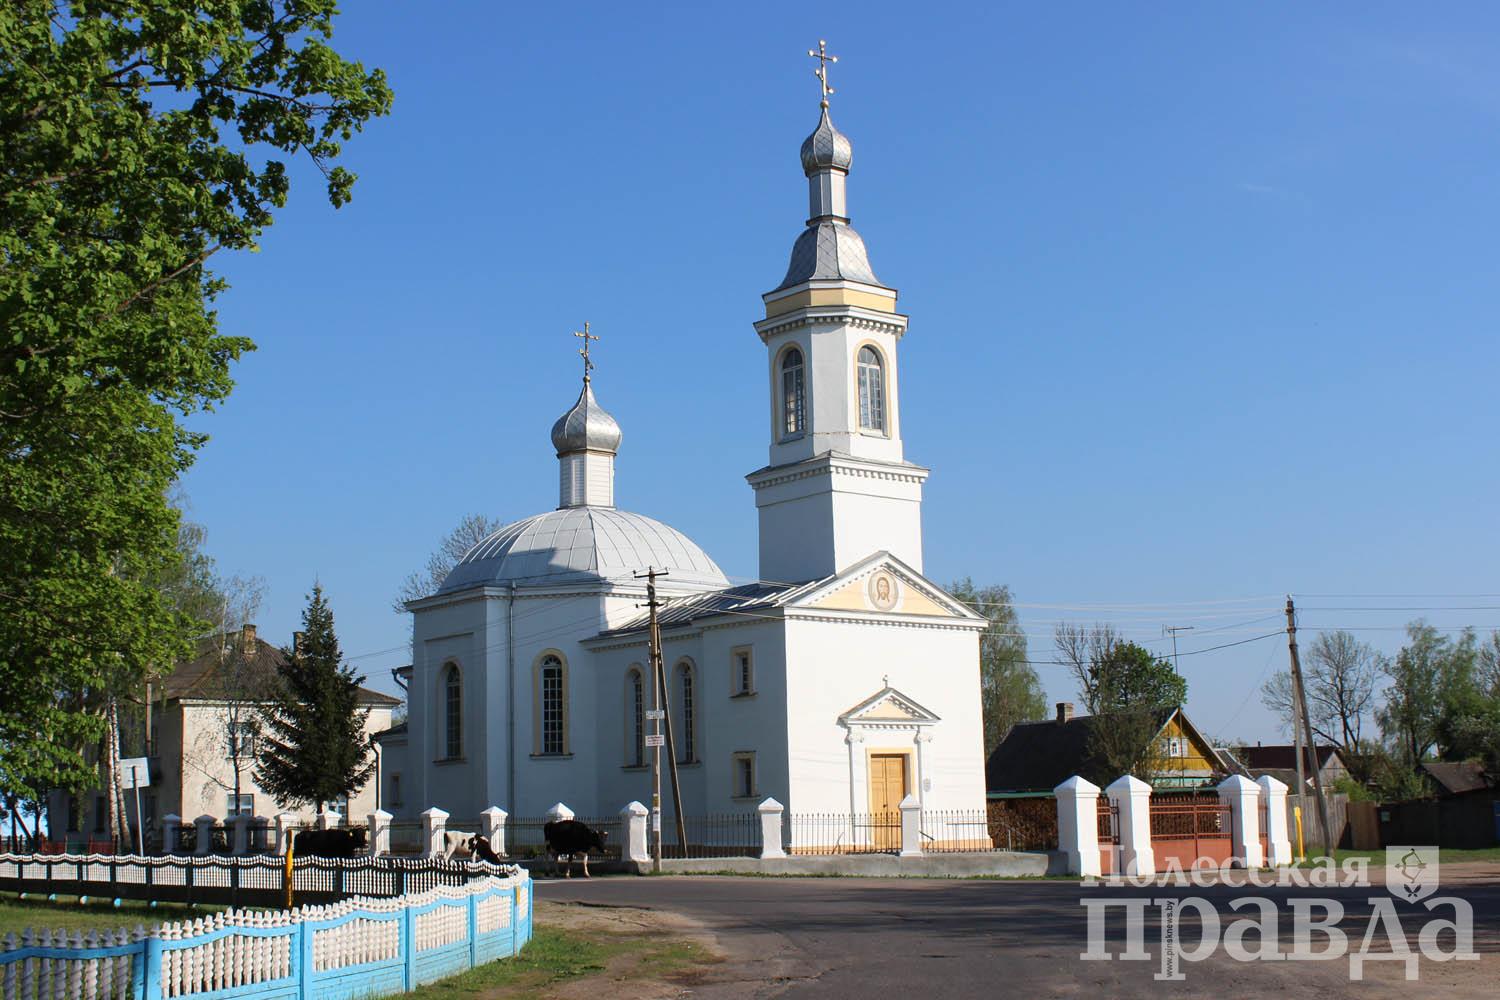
{"type": "Point", "coordinates": [826, 147]}
{"type": "Point", "coordinates": [586, 427]}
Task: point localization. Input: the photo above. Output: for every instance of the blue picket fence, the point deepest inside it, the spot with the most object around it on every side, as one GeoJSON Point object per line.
{"type": "Point", "coordinates": [354, 949]}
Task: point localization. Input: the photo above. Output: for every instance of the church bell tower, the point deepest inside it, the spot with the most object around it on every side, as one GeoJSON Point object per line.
{"type": "Point", "coordinates": [838, 486]}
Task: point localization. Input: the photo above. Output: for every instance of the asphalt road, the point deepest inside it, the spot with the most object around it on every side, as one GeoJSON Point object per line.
{"type": "Point", "coordinates": [930, 938]}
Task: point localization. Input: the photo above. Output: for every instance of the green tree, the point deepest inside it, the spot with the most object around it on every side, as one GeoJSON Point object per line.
{"type": "Point", "coordinates": [1432, 685]}
{"type": "Point", "coordinates": [315, 749]}
{"type": "Point", "coordinates": [1127, 691]}
{"type": "Point", "coordinates": [127, 137]}
{"type": "Point", "coordinates": [1009, 689]}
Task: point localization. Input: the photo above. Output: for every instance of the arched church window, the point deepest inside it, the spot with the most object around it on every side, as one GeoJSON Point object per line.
{"type": "Point", "coordinates": [793, 393]}
{"type": "Point", "coordinates": [871, 391]}
{"type": "Point", "coordinates": [688, 697]}
{"type": "Point", "coordinates": [552, 705]}
{"type": "Point", "coordinates": [635, 719]}
{"type": "Point", "coordinates": [453, 712]}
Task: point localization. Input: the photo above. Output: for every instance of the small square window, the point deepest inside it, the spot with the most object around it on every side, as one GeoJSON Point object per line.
{"type": "Point", "coordinates": [742, 671]}
{"type": "Point", "coordinates": [744, 775]}
{"type": "Point", "coordinates": [242, 805]}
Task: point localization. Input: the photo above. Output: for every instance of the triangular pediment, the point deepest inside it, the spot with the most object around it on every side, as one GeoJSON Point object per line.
{"type": "Point", "coordinates": [888, 706]}
{"type": "Point", "coordinates": [883, 584]}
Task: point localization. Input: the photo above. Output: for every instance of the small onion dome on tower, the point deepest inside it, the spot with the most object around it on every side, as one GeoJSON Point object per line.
{"type": "Point", "coordinates": [827, 148]}
{"type": "Point", "coordinates": [586, 427]}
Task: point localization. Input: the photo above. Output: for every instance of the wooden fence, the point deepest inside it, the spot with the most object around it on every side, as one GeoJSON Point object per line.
{"type": "Point", "coordinates": [357, 948]}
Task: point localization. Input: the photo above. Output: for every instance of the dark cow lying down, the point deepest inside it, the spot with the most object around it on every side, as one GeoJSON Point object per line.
{"type": "Point", "coordinates": [330, 843]}
{"type": "Point", "coordinates": [573, 839]}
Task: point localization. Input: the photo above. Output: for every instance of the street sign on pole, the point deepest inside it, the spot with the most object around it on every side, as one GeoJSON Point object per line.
{"type": "Point", "coordinates": [135, 772]}
{"type": "Point", "coordinates": [655, 713]}
{"type": "Point", "coordinates": [655, 740]}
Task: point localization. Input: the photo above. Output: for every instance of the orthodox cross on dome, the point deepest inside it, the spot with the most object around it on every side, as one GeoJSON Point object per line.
{"type": "Point", "coordinates": [821, 72]}
{"type": "Point", "coordinates": [588, 365]}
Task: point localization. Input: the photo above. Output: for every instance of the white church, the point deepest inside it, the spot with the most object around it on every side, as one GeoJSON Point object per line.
{"type": "Point", "coordinates": [842, 682]}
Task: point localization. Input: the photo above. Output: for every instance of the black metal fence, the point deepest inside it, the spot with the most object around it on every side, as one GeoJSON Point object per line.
{"type": "Point", "coordinates": [524, 836]}
{"type": "Point", "coordinates": [252, 880]}
{"type": "Point", "coordinates": [842, 833]}
{"type": "Point", "coordinates": [716, 835]}
{"type": "Point", "coordinates": [948, 831]}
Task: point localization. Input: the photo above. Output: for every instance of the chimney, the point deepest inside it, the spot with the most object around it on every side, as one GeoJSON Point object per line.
{"type": "Point", "coordinates": [247, 637]}
{"type": "Point", "coordinates": [1065, 711]}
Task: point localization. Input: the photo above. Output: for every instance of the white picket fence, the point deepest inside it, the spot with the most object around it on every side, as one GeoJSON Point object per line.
{"type": "Point", "coordinates": [356, 948]}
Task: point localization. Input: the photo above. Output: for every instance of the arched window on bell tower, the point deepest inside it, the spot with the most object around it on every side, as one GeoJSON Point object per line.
{"type": "Point", "coordinates": [793, 394]}
{"type": "Point", "coordinates": [871, 391]}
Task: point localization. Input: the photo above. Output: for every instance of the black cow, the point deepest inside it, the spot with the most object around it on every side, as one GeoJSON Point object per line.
{"type": "Point", "coordinates": [480, 849]}
{"type": "Point", "coordinates": [331, 843]}
{"type": "Point", "coordinates": [572, 838]}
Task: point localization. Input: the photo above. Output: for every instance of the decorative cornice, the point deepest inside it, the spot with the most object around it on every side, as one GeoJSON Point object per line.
{"type": "Point", "coordinates": [855, 316]}
{"type": "Point", "coordinates": [830, 464]}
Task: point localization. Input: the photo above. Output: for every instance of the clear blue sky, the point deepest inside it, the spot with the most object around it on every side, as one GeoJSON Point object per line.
{"type": "Point", "coordinates": [1202, 302]}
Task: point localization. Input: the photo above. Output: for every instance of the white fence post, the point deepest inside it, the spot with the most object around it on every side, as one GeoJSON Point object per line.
{"type": "Point", "coordinates": [433, 822]}
{"type": "Point", "coordinates": [1273, 802]}
{"type": "Point", "coordinates": [379, 841]}
{"type": "Point", "coordinates": [1078, 825]}
{"type": "Point", "coordinates": [284, 823]}
{"type": "Point", "coordinates": [239, 827]}
{"type": "Point", "coordinates": [332, 819]}
{"type": "Point", "coordinates": [171, 833]}
{"type": "Point", "coordinates": [911, 827]}
{"type": "Point", "coordinates": [1243, 798]}
{"type": "Point", "coordinates": [1132, 797]}
{"type": "Point", "coordinates": [204, 825]}
{"type": "Point", "coordinates": [492, 828]}
{"type": "Point", "coordinates": [633, 822]}
{"type": "Point", "coordinates": [770, 828]}
{"type": "Point", "coordinates": [558, 813]}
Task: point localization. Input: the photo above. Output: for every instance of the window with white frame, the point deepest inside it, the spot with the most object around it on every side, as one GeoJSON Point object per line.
{"type": "Point", "coordinates": [453, 712]}
{"type": "Point", "coordinates": [793, 393]}
{"type": "Point", "coordinates": [239, 805]}
{"type": "Point", "coordinates": [1176, 746]}
{"type": "Point", "coordinates": [743, 772]}
{"type": "Point", "coordinates": [741, 671]}
{"type": "Point", "coordinates": [240, 736]}
{"type": "Point", "coordinates": [552, 707]}
{"type": "Point", "coordinates": [687, 699]}
{"type": "Point", "coordinates": [871, 391]}
{"type": "Point", "coordinates": [635, 718]}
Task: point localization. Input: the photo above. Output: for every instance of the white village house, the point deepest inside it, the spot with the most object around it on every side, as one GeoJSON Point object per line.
{"type": "Point", "coordinates": [193, 749]}
{"type": "Point", "coordinates": [842, 682]}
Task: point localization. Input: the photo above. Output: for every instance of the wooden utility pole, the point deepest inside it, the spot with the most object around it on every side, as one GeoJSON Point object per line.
{"type": "Point", "coordinates": [660, 714]}
{"type": "Point", "coordinates": [1299, 695]}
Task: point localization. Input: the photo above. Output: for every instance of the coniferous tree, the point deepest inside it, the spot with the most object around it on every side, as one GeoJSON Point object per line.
{"type": "Point", "coordinates": [314, 748]}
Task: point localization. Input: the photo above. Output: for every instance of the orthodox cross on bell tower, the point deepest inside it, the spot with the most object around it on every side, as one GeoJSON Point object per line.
{"type": "Point", "coordinates": [588, 365]}
{"type": "Point", "coordinates": [823, 58]}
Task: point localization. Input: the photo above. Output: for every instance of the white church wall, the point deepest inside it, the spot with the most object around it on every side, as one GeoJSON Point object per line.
{"type": "Point", "coordinates": [835, 665]}
{"type": "Point", "coordinates": [725, 725]}
{"type": "Point", "coordinates": [871, 520]}
{"type": "Point", "coordinates": [451, 633]}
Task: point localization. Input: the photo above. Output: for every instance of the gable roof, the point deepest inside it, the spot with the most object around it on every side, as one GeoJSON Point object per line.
{"type": "Point", "coordinates": [759, 599]}
{"type": "Point", "coordinates": [1457, 776]}
{"type": "Point", "coordinates": [888, 704]}
{"type": "Point", "coordinates": [198, 677]}
{"type": "Point", "coordinates": [1283, 757]}
{"type": "Point", "coordinates": [1039, 756]}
